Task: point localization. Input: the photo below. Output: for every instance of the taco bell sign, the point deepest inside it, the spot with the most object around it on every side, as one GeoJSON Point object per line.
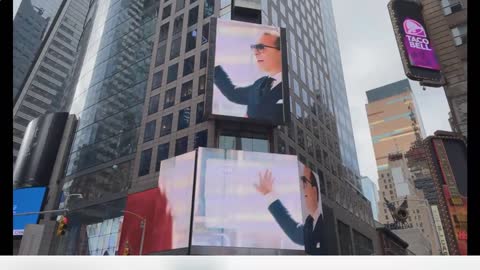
{"type": "Point", "coordinates": [417, 45]}
{"type": "Point", "coordinates": [416, 49]}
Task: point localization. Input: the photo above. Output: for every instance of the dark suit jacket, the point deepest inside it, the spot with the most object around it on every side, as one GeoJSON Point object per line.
{"type": "Point", "coordinates": [300, 233]}
{"type": "Point", "coordinates": [258, 107]}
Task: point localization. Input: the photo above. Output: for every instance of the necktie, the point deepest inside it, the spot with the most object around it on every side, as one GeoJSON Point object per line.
{"type": "Point", "coordinates": [309, 223]}
{"type": "Point", "coordinates": [266, 86]}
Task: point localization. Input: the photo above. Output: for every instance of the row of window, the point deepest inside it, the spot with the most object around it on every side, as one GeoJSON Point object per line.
{"type": "Point", "coordinates": [183, 122]}
{"type": "Point", "coordinates": [175, 46]}
{"type": "Point", "coordinates": [181, 146]}
{"type": "Point", "coordinates": [186, 91]}
{"type": "Point", "coordinates": [172, 71]}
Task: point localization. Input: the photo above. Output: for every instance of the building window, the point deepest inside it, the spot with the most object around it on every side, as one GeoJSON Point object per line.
{"type": "Point", "coordinates": [243, 143]}
{"type": "Point", "coordinates": [172, 73]}
{"type": "Point", "coordinates": [188, 65]}
{"type": "Point", "coordinates": [153, 104]}
{"type": "Point", "coordinates": [166, 127]}
{"type": "Point", "coordinates": [201, 85]}
{"type": "Point", "coordinates": [191, 41]}
{"type": "Point", "coordinates": [203, 59]}
{"type": "Point", "coordinates": [291, 130]}
{"type": "Point", "coordinates": [181, 146]}
{"type": "Point", "coordinates": [208, 8]}
{"type": "Point", "coordinates": [300, 138]}
{"type": "Point", "coordinates": [145, 159]}
{"type": "Point", "coordinates": [200, 139]}
{"type": "Point", "coordinates": [205, 32]}
{"type": "Point", "coordinates": [169, 98]}
{"type": "Point", "coordinates": [180, 5]}
{"type": "Point", "coordinates": [184, 118]}
{"type": "Point", "coordinates": [193, 16]}
{"type": "Point", "coordinates": [163, 32]}
{"type": "Point", "coordinates": [310, 148]}
{"type": "Point", "coordinates": [298, 112]}
{"type": "Point", "coordinates": [175, 48]}
{"type": "Point", "coordinates": [186, 92]}
{"type": "Point", "coordinates": [149, 133]}
{"type": "Point", "coordinates": [451, 6]}
{"type": "Point", "coordinates": [160, 58]}
{"type": "Point", "coordinates": [166, 12]}
{"type": "Point", "coordinates": [200, 113]}
{"type": "Point", "coordinates": [459, 34]}
{"type": "Point", "coordinates": [162, 154]}
{"type": "Point", "coordinates": [281, 146]}
{"type": "Point", "coordinates": [178, 24]}
{"type": "Point", "coordinates": [157, 79]}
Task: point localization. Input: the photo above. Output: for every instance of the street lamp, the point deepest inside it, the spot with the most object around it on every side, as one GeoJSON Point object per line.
{"type": "Point", "coordinates": [143, 224]}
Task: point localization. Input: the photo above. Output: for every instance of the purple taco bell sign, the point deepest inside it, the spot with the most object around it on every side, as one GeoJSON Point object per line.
{"type": "Point", "coordinates": [417, 45]}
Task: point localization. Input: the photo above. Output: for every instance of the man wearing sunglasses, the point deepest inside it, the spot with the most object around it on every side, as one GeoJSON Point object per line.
{"type": "Point", "coordinates": [264, 98]}
{"type": "Point", "coordinates": [310, 234]}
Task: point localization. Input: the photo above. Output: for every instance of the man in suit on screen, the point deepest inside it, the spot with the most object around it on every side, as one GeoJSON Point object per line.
{"type": "Point", "coordinates": [264, 98]}
{"type": "Point", "coordinates": [310, 234]}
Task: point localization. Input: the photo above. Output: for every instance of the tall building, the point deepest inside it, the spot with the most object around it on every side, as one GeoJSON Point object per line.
{"type": "Point", "coordinates": [446, 154]}
{"type": "Point", "coordinates": [139, 95]}
{"type": "Point", "coordinates": [396, 184]}
{"type": "Point", "coordinates": [446, 23]}
{"type": "Point", "coordinates": [371, 192]}
{"type": "Point", "coordinates": [44, 59]}
{"type": "Point", "coordinates": [109, 91]}
{"type": "Point", "coordinates": [29, 28]}
{"type": "Point", "coordinates": [394, 119]}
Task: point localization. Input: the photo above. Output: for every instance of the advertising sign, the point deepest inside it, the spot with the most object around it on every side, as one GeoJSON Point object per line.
{"type": "Point", "coordinates": [256, 200]}
{"type": "Point", "coordinates": [166, 210]}
{"type": "Point", "coordinates": [440, 232]}
{"type": "Point", "coordinates": [26, 200]}
{"type": "Point", "coordinates": [418, 56]}
{"type": "Point", "coordinates": [249, 72]}
{"type": "Point", "coordinates": [419, 50]}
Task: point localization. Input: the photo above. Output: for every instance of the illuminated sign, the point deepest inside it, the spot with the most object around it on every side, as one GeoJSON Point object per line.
{"type": "Point", "coordinates": [249, 73]}
{"type": "Point", "coordinates": [440, 232]}
{"type": "Point", "coordinates": [416, 51]}
{"type": "Point", "coordinates": [419, 50]}
{"type": "Point", "coordinates": [26, 200]}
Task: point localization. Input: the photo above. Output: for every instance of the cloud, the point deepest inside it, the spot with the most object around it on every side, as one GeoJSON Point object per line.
{"type": "Point", "coordinates": [370, 59]}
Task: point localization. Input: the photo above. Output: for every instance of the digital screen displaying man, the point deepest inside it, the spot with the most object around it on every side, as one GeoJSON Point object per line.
{"type": "Point", "coordinates": [258, 85]}
{"type": "Point", "coordinates": [310, 233]}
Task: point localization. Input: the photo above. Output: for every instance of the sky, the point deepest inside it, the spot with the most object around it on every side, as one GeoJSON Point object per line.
{"type": "Point", "coordinates": [370, 59]}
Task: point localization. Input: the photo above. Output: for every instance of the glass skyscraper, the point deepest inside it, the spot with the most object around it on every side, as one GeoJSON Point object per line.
{"type": "Point", "coordinates": [46, 37]}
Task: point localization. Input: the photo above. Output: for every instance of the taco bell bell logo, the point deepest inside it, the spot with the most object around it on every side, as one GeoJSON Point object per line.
{"type": "Point", "coordinates": [417, 37]}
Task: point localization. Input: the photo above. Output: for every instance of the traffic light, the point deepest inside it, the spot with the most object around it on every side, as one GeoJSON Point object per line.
{"type": "Point", "coordinates": [62, 225]}
{"type": "Point", "coordinates": [126, 249]}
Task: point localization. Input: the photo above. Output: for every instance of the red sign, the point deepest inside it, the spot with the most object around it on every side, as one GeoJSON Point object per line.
{"type": "Point", "coordinates": [152, 205]}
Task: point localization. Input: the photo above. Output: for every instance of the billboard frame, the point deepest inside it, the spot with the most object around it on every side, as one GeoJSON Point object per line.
{"type": "Point", "coordinates": [212, 37]}
{"type": "Point", "coordinates": [426, 77]}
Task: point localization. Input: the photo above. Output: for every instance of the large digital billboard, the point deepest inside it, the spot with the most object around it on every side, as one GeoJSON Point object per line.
{"type": "Point", "coordinates": [166, 209]}
{"type": "Point", "coordinates": [250, 72]}
{"type": "Point", "coordinates": [256, 200]}
{"type": "Point", "coordinates": [417, 53]}
{"type": "Point", "coordinates": [26, 200]}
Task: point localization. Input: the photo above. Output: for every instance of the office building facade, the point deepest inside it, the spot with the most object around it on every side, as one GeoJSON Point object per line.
{"type": "Point", "coordinates": [396, 184]}
{"type": "Point", "coordinates": [446, 23]}
{"type": "Point", "coordinates": [109, 91]}
{"type": "Point", "coordinates": [370, 191]}
{"type": "Point", "coordinates": [393, 119]}
{"type": "Point", "coordinates": [446, 154]}
{"type": "Point", "coordinates": [42, 77]}
{"type": "Point", "coordinates": [173, 121]}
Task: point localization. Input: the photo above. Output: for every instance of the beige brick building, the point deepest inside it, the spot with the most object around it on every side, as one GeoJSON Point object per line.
{"type": "Point", "coordinates": [446, 22]}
